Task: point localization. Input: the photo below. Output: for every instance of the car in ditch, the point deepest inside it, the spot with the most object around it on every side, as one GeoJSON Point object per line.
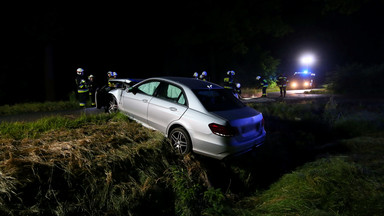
{"type": "Point", "coordinates": [196, 116]}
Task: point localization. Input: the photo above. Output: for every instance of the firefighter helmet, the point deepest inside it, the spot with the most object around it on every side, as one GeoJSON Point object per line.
{"type": "Point", "coordinates": [204, 74]}
{"type": "Point", "coordinates": [238, 85]}
{"type": "Point", "coordinates": [90, 76]}
{"type": "Point", "coordinates": [231, 73]}
{"type": "Point", "coordinates": [258, 77]}
{"type": "Point", "coordinates": [80, 71]}
{"type": "Point", "coordinates": [195, 75]}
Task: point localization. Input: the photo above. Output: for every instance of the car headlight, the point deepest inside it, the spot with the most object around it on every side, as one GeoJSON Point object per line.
{"type": "Point", "coordinates": [294, 84]}
{"type": "Point", "coordinates": [306, 83]}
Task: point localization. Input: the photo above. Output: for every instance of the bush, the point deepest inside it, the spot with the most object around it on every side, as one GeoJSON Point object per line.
{"type": "Point", "coordinates": [358, 80]}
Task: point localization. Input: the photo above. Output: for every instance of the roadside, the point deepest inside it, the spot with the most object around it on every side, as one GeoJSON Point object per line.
{"type": "Point", "coordinates": [27, 117]}
{"type": "Point", "coordinates": [317, 158]}
{"type": "Point", "coordinates": [291, 96]}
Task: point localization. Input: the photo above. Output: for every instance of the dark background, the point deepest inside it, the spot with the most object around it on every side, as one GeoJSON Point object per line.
{"type": "Point", "coordinates": [43, 45]}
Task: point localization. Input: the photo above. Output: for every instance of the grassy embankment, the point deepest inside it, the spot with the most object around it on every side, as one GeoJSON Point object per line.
{"type": "Point", "coordinates": [319, 159]}
{"type": "Point", "coordinates": [38, 107]}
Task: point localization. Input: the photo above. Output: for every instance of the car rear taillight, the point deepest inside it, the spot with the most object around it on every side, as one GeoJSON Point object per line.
{"type": "Point", "coordinates": [221, 130]}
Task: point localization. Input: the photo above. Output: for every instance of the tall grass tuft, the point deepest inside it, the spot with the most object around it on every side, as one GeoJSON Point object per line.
{"type": "Point", "coordinates": [95, 165]}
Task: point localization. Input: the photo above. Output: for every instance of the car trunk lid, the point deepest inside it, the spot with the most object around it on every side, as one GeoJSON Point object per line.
{"type": "Point", "coordinates": [247, 121]}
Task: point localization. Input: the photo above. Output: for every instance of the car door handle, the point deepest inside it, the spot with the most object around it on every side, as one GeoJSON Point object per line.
{"type": "Point", "coordinates": [172, 108]}
{"type": "Point", "coordinates": [145, 100]}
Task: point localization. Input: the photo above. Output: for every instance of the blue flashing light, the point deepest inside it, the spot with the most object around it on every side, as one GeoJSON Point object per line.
{"type": "Point", "coordinates": [305, 71]}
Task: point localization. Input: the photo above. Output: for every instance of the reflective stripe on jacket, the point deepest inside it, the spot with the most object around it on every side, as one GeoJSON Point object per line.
{"type": "Point", "coordinates": [264, 83]}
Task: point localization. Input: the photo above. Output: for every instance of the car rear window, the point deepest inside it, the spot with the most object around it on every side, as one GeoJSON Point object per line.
{"type": "Point", "coordinates": [218, 99]}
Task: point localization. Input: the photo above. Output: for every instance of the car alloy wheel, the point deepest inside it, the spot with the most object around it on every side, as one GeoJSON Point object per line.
{"type": "Point", "coordinates": [112, 105]}
{"type": "Point", "coordinates": [180, 140]}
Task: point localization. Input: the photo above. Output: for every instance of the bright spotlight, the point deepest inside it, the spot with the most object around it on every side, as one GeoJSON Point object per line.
{"type": "Point", "coordinates": [307, 59]}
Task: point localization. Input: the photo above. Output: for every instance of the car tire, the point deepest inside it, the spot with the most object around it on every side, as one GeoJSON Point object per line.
{"type": "Point", "coordinates": [112, 105]}
{"type": "Point", "coordinates": [180, 140]}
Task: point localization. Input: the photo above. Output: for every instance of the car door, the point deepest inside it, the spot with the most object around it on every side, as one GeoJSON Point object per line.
{"type": "Point", "coordinates": [168, 105]}
{"type": "Point", "coordinates": [135, 102]}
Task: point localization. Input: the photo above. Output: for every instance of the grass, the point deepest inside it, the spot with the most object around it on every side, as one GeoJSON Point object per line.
{"type": "Point", "coordinates": [97, 165]}
{"type": "Point", "coordinates": [328, 186]}
{"type": "Point", "coordinates": [320, 158]}
{"type": "Point", "coordinates": [38, 107]}
{"type": "Point", "coordinates": [350, 183]}
{"type": "Point", "coordinates": [318, 91]}
{"type": "Point", "coordinates": [32, 130]}
{"type": "Point", "coordinates": [101, 164]}
{"type": "Point", "coordinates": [335, 160]}
{"type": "Point", "coordinates": [249, 92]}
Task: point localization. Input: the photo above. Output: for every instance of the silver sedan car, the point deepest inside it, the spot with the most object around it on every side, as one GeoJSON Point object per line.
{"type": "Point", "coordinates": [197, 116]}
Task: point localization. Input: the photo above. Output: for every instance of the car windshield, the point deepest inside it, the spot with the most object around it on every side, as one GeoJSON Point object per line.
{"type": "Point", "coordinates": [218, 99]}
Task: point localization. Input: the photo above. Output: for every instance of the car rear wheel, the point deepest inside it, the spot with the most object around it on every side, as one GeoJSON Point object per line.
{"type": "Point", "coordinates": [181, 141]}
{"type": "Point", "coordinates": [112, 105]}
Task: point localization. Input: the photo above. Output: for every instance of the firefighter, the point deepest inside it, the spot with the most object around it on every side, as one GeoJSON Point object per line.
{"type": "Point", "coordinates": [282, 81]}
{"type": "Point", "coordinates": [116, 85]}
{"type": "Point", "coordinates": [82, 88]}
{"type": "Point", "coordinates": [237, 90]}
{"type": "Point", "coordinates": [203, 76]}
{"type": "Point", "coordinates": [264, 84]}
{"type": "Point", "coordinates": [196, 75]}
{"type": "Point", "coordinates": [110, 76]}
{"type": "Point", "coordinates": [92, 89]}
{"type": "Point", "coordinates": [228, 80]}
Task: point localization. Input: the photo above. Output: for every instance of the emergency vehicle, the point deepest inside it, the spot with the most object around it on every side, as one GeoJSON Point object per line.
{"type": "Point", "coordinates": [302, 80]}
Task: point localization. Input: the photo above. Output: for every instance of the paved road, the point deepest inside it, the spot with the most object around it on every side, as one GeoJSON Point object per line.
{"type": "Point", "coordinates": [290, 96]}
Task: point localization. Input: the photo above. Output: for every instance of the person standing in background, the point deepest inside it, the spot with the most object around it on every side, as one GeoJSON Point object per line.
{"type": "Point", "coordinates": [92, 89]}
{"type": "Point", "coordinates": [82, 87]}
{"type": "Point", "coordinates": [264, 84]}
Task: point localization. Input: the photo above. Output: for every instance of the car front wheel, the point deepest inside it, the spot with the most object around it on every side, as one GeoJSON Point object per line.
{"type": "Point", "coordinates": [181, 141]}
{"type": "Point", "coordinates": [112, 105]}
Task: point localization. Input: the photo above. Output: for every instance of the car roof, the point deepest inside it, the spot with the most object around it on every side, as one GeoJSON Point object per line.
{"type": "Point", "coordinates": [191, 83]}
{"type": "Point", "coordinates": [125, 80]}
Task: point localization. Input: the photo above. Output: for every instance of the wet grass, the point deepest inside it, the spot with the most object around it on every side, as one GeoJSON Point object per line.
{"type": "Point", "coordinates": [320, 158]}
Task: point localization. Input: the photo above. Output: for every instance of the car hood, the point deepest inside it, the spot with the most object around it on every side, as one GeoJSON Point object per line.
{"type": "Point", "coordinates": [235, 114]}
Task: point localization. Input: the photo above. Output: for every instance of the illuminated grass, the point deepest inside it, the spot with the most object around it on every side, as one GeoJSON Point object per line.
{"type": "Point", "coordinates": [37, 107]}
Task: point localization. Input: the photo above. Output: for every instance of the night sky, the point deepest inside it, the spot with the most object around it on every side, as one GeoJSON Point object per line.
{"type": "Point", "coordinates": [42, 46]}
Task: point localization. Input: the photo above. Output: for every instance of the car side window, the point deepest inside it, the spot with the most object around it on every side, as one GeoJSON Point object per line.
{"type": "Point", "coordinates": [149, 87]}
{"type": "Point", "coordinates": [172, 93]}
{"type": "Point", "coordinates": [182, 100]}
